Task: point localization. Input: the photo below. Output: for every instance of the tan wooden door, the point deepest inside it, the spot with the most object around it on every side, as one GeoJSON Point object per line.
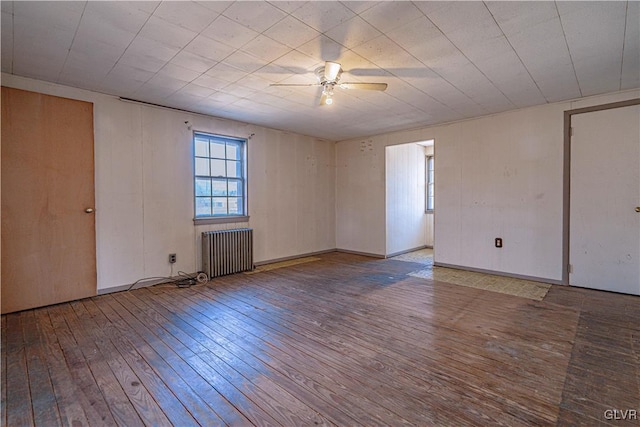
{"type": "Point", "coordinates": [48, 240]}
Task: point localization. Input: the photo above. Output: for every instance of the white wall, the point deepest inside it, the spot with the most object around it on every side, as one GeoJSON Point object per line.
{"type": "Point", "coordinates": [406, 221]}
{"type": "Point", "coordinates": [497, 176]}
{"type": "Point", "coordinates": [144, 187]}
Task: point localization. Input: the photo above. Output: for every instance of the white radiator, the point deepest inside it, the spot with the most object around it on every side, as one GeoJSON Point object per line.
{"type": "Point", "coordinates": [227, 251]}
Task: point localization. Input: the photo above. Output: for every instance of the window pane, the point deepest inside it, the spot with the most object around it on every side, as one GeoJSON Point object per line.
{"type": "Point", "coordinates": [203, 187]}
{"type": "Point", "coordinates": [233, 151]}
{"type": "Point", "coordinates": [202, 166]}
{"type": "Point", "coordinates": [202, 147]}
{"type": "Point", "coordinates": [219, 187]}
{"type": "Point", "coordinates": [220, 206]}
{"type": "Point", "coordinates": [219, 175]}
{"type": "Point", "coordinates": [203, 206]}
{"type": "Point", "coordinates": [217, 168]}
{"type": "Point", "coordinates": [235, 205]}
{"type": "Point", "coordinates": [234, 169]}
{"type": "Point", "coordinates": [217, 150]}
{"type": "Point", "coordinates": [431, 176]}
{"type": "Point", "coordinates": [235, 188]}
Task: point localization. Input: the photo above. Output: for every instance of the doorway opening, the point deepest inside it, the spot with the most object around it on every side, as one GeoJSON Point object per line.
{"type": "Point", "coordinates": [410, 199]}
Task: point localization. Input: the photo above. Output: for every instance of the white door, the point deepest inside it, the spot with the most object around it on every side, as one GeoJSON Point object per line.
{"type": "Point", "coordinates": [604, 248]}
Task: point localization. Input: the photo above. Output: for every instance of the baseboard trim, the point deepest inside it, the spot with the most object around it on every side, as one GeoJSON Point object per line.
{"type": "Point", "coordinates": [347, 251]}
{"type": "Point", "coordinates": [141, 284]}
{"type": "Point", "coordinates": [408, 250]}
{"type": "Point", "coordinates": [288, 258]}
{"type": "Point", "coordinates": [500, 273]}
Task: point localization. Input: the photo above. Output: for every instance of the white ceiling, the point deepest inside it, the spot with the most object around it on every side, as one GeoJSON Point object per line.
{"type": "Point", "coordinates": [443, 61]}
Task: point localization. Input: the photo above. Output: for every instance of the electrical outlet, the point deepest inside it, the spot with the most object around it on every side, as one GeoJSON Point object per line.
{"type": "Point", "coordinates": [172, 258]}
{"type": "Point", "coordinates": [498, 242]}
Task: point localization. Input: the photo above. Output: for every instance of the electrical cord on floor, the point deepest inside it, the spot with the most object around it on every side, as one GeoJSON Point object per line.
{"type": "Point", "coordinates": [184, 280]}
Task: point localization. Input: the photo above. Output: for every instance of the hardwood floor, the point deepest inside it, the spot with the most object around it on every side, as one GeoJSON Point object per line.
{"type": "Point", "coordinates": [347, 340]}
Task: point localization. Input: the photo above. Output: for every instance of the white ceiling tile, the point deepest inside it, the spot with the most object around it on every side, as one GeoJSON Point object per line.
{"type": "Point", "coordinates": [184, 101]}
{"type": "Point", "coordinates": [322, 49]}
{"type": "Point", "coordinates": [595, 34]}
{"type": "Point", "coordinates": [169, 84]}
{"type": "Point", "coordinates": [223, 97]}
{"type": "Point", "coordinates": [631, 56]}
{"type": "Point", "coordinates": [288, 6]}
{"type": "Point", "coordinates": [190, 15]}
{"type": "Point", "coordinates": [128, 72]}
{"type": "Point", "coordinates": [148, 54]}
{"type": "Point", "coordinates": [7, 7]}
{"type": "Point", "coordinates": [543, 51]}
{"type": "Point", "coordinates": [387, 15]}
{"type": "Point", "coordinates": [245, 62]}
{"type": "Point", "coordinates": [178, 72]}
{"type": "Point", "coordinates": [93, 28]}
{"type": "Point", "coordinates": [211, 82]}
{"type": "Point", "coordinates": [254, 82]}
{"type": "Point", "coordinates": [89, 62]}
{"type": "Point", "coordinates": [255, 15]}
{"type": "Point", "coordinates": [273, 73]}
{"type": "Point", "coordinates": [97, 49]}
{"type": "Point", "coordinates": [291, 32]}
{"type": "Point", "coordinates": [323, 15]}
{"type": "Point", "coordinates": [152, 93]}
{"type": "Point", "coordinates": [514, 17]}
{"type": "Point", "coordinates": [51, 41]}
{"type": "Point", "coordinates": [298, 62]}
{"type": "Point", "coordinates": [216, 6]}
{"type": "Point", "coordinates": [192, 61]}
{"type": "Point", "coordinates": [238, 90]}
{"type": "Point", "coordinates": [142, 46]}
{"type": "Point", "coordinates": [37, 66]}
{"type": "Point", "coordinates": [208, 48]}
{"type": "Point", "coordinates": [167, 33]}
{"type": "Point", "coordinates": [462, 59]}
{"type": "Point", "coordinates": [597, 77]}
{"type": "Point", "coordinates": [196, 90]}
{"type": "Point", "coordinates": [386, 54]}
{"type": "Point", "coordinates": [7, 41]}
{"type": "Point", "coordinates": [59, 15]}
{"type": "Point", "coordinates": [412, 36]}
{"type": "Point", "coordinates": [265, 48]}
{"type": "Point", "coordinates": [359, 6]}
{"type": "Point", "coordinates": [128, 16]}
{"type": "Point", "coordinates": [227, 72]}
{"type": "Point", "coordinates": [353, 32]}
{"type": "Point", "coordinates": [555, 87]}
{"type": "Point", "coordinates": [229, 32]}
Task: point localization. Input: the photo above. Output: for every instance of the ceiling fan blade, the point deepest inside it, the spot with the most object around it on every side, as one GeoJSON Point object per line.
{"type": "Point", "coordinates": [331, 70]}
{"type": "Point", "coordinates": [364, 86]}
{"type": "Point", "coordinates": [295, 84]}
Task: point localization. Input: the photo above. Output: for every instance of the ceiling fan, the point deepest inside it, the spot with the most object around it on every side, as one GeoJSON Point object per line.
{"type": "Point", "coordinates": [329, 78]}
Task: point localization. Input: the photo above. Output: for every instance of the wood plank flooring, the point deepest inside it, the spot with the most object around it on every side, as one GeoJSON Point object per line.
{"type": "Point", "coordinates": [346, 341]}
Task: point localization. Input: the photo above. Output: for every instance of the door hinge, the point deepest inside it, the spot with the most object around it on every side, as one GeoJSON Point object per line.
{"type": "Point", "coordinates": [571, 131]}
{"type": "Point", "coordinates": [569, 268]}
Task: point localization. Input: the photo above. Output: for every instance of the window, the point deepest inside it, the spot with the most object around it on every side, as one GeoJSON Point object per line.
{"type": "Point", "coordinates": [430, 186]}
{"type": "Point", "coordinates": [220, 177]}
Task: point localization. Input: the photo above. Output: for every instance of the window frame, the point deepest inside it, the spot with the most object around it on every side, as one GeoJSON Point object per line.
{"type": "Point", "coordinates": [429, 183]}
{"type": "Point", "coordinates": [243, 179]}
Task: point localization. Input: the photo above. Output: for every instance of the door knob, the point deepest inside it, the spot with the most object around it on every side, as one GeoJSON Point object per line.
{"type": "Point", "coordinates": [89, 210]}
{"type": "Point", "coordinates": [637, 208]}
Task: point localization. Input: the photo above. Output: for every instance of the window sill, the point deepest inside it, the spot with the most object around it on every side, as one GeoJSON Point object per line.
{"type": "Point", "coordinates": [220, 220]}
